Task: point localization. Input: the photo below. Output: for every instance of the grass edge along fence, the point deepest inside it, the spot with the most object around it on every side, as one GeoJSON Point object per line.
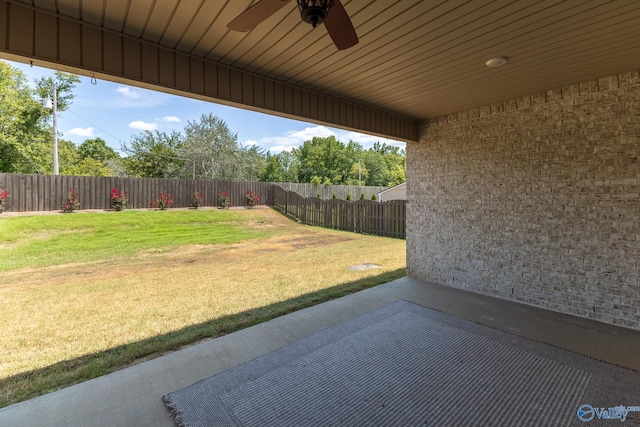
{"type": "Point", "coordinates": [363, 216]}
{"type": "Point", "coordinates": [47, 193]}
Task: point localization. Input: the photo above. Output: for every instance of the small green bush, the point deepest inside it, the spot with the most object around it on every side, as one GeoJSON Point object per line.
{"type": "Point", "coordinates": [348, 197]}
{"type": "Point", "coordinates": [361, 196]}
{"type": "Point", "coordinates": [374, 198]}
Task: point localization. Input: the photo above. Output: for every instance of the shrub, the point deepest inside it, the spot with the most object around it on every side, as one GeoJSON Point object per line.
{"type": "Point", "coordinates": [3, 197]}
{"type": "Point", "coordinates": [361, 196]}
{"type": "Point", "coordinates": [333, 196]}
{"type": "Point", "coordinates": [252, 198]}
{"type": "Point", "coordinates": [196, 199]}
{"type": "Point", "coordinates": [374, 198]}
{"type": "Point", "coordinates": [118, 200]}
{"type": "Point", "coordinates": [163, 202]}
{"type": "Point", "coordinates": [318, 195]}
{"type": "Point", "coordinates": [224, 201]}
{"type": "Point", "coordinates": [71, 202]}
{"type": "Point", "coordinates": [348, 197]}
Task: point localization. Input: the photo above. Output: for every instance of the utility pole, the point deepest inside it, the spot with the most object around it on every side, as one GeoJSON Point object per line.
{"type": "Point", "coordinates": [46, 103]}
{"type": "Point", "coordinates": [55, 129]}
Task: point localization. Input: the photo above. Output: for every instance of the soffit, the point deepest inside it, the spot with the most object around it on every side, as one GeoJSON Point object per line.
{"type": "Point", "coordinates": [417, 59]}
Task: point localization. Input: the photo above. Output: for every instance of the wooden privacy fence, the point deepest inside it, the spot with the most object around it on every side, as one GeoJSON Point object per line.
{"type": "Point", "coordinates": [48, 192]}
{"type": "Point", "coordinates": [362, 216]}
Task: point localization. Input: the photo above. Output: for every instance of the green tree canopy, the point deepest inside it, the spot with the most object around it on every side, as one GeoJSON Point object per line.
{"type": "Point", "coordinates": [326, 158]}
{"type": "Point", "coordinates": [22, 123]}
{"type": "Point", "coordinates": [281, 167]}
{"type": "Point", "coordinates": [216, 153]}
{"type": "Point", "coordinates": [154, 155]}
{"type": "Point", "coordinates": [97, 149]}
{"type": "Point", "coordinates": [328, 161]}
{"type": "Point", "coordinates": [65, 83]}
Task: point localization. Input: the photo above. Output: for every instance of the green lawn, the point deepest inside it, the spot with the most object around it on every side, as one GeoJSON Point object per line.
{"type": "Point", "coordinates": [85, 294]}
{"type": "Point", "coordinates": [45, 240]}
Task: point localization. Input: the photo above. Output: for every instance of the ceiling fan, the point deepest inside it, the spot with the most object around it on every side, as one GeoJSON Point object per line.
{"type": "Point", "coordinates": [314, 12]}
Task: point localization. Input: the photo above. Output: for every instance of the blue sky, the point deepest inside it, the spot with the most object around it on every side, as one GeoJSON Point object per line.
{"type": "Point", "coordinates": [115, 112]}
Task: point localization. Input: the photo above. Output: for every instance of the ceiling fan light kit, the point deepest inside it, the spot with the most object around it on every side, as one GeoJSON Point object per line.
{"type": "Point", "coordinates": [314, 12]}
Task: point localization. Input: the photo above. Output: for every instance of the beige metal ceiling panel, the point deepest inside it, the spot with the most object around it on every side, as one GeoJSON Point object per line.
{"type": "Point", "coordinates": [428, 46]}
{"type": "Point", "coordinates": [438, 73]}
{"type": "Point", "coordinates": [180, 22]}
{"type": "Point", "coordinates": [137, 17]}
{"type": "Point", "coordinates": [115, 14]}
{"type": "Point", "coordinates": [199, 27]}
{"type": "Point", "coordinates": [92, 11]}
{"type": "Point", "coordinates": [159, 18]}
{"type": "Point", "coordinates": [538, 52]}
{"type": "Point", "coordinates": [71, 8]}
{"type": "Point", "coordinates": [273, 28]}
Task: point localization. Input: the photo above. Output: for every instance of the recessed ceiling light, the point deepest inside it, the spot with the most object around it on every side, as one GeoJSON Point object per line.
{"type": "Point", "coordinates": [497, 62]}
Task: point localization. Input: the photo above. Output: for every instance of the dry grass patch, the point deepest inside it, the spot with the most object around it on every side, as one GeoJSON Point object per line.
{"type": "Point", "coordinates": [66, 323]}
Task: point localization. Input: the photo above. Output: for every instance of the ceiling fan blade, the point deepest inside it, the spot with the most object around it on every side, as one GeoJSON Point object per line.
{"type": "Point", "coordinates": [340, 28]}
{"type": "Point", "coordinates": [257, 13]}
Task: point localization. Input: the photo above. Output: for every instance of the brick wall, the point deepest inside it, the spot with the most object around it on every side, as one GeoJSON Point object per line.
{"type": "Point", "coordinates": [535, 199]}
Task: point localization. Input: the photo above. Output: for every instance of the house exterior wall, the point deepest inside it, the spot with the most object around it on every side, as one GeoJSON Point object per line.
{"type": "Point", "coordinates": [399, 192]}
{"type": "Point", "coordinates": [535, 199]}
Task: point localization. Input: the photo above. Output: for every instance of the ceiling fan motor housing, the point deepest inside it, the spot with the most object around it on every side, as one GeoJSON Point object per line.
{"type": "Point", "coordinates": [314, 12]}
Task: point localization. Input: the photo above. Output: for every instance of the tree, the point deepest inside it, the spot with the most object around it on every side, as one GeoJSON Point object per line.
{"type": "Point", "coordinates": [97, 149]}
{"type": "Point", "coordinates": [22, 123]}
{"type": "Point", "coordinates": [88, 167]}
{"type": "Point", "coordinates": [216, 153]}
{"type": "Point", "coordinates": [281, 167]}
{"type": "Point", "coordinates": [154, 155]}
{"type": "Point", "coordinates": [65, 83]}
{"type": "Point", "coordinates": [326, 158]}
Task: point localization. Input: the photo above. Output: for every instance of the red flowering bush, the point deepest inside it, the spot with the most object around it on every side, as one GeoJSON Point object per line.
{"type": "Point", "coordinates": [163, 202]}
{"type": "Point", "coordinates": [71, 202]}
{"type": "Point", "coordinates": [196, 200]}
{"type": "Point", "coordinates": [118, 200]}
{"type": "Point", "coordinates": [224, 201]}
{"type": "Point", "coordinates": [3, 196]}
{"type": "Point", "coordinates": [252, 198]}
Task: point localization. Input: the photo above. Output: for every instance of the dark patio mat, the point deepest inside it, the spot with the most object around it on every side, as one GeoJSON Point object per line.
{"type": "Point", "coordinates": [408, 365]}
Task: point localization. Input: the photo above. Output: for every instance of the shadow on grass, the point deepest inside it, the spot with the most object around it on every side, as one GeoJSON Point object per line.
{"type": "Point", "coordinates": [30, 384]}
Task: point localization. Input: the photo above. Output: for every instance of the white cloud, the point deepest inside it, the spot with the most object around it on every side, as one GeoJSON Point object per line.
{"type": "Point", "coordinates": [127, 92]}
{"type": "Point", "coordinates": [85, 132]}
{"type": "Point", "coordinates": [367, 141]}
{"type": "Point", "coordinates": [293, 138]}
{"type": "Point", "coordinates": [308, 133]}
{"type": "Point", "coordinates": [170, 119]}
{"type": "Point", "coordinates": [139, 124]}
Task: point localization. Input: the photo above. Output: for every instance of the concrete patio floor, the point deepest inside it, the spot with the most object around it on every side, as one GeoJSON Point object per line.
{"type": "Point", "coordinates": [133, 395]}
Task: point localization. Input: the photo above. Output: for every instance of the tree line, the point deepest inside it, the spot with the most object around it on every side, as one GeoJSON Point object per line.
{"type": "Point", "coordinates": [205, 148]}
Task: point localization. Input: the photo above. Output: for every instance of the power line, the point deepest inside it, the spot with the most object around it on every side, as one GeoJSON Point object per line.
{"type": "Point", "coordinates": [95, 126]}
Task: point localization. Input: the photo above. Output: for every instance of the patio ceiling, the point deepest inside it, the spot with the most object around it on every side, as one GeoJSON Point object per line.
{"type": "Point", "coordinates": [416, 59]}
